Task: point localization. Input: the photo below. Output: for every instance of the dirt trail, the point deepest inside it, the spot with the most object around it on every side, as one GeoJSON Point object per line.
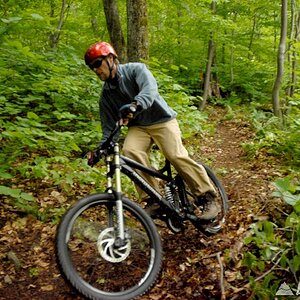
{"type": "Point", "coordinates": [192, 262]}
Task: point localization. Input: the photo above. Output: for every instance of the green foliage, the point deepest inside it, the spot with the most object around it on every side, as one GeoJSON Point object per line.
{"type": "Point", "coordinates": [244, 34]}
{"type": "Point", "coordinates": [275, 252]}
{"type": "Point", "coordinates": [23, 201]}
{"type": "Point", "coordinates": [190, 118]}
{"type": "Point", "coordinates": [49, 118]}
{"type": "Point", "coordinates": [287, 190]}
{"type": "Point", "coordinates": [48, 98]}
{"type": "Point", "coordinates": [34, 272]}
{"type": "Point", "coordinates": [49, 114]}
{"type": "Point", "coordinates": [15, 193]}
{"type": "Point", "coordinates": [43, 100]}
{"type": "Point", "coordinates": [274, 138]}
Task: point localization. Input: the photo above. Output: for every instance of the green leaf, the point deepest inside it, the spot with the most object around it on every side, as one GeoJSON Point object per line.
{"type": "Point", "coordinates": [297, 246]}
{"type": "Point", "coordinates": [248, 240]}
{"type": "Point", "coordinates": [290, 198]}
{"type": "Point", "coordinates": [294, 263]}
{"type": "Point", "coordinates": [27, 196]}
{"type": "Point", "coordinates": [249, 259]}
{"type": "Point", "coordinates": [292, 219]}
{"type": "Point", "coordinates": [284, 261]}
{"type": "Point", "coordinates": [177, 87]}
{"type": "Point", "coordinates": [15, 193]}
{"type": "Point", "coordinates": [173, 67]}
{"type": "Point", "coordinates": [37, 16]}
{"type": "Point", "coordinates": [268, 229]}
{"type": "Point", "coordinates": [261, 265]}
{"type": "Point", "coordinates": [33, 116]}
{"type": "Point", "coordinates": [267, 253]}
{"type": "Point", "coordinates": [284, 184]}
{"type": "Point", "coordinates": [11, 20]}
{"type": "Point", "coordinates": [5, 190]}
{"type": "Point", "coordinates": [297, 207]}
{"type": "Point", "coordinates": [74, 146]}
{"type": "Point", "coordinates": [5, 175]}
{"type": "Point", "coordinates": [286, 190]}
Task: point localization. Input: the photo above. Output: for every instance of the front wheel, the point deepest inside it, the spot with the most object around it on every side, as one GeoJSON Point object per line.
{"type": "Point", "coordinates": [99, 265]}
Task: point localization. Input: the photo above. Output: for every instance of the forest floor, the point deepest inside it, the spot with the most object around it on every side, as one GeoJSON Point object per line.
{"type": "Point", "coordinates": [194, 267]}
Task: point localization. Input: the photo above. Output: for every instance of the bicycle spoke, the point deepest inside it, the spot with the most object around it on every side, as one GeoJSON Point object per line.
{"type": "Point", "coordinates": [100, 265]}
{"type": "Point", "coordinates": [93, 267]}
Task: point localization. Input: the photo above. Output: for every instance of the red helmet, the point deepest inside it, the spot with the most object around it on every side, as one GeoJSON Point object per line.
{"type": "Point", "coordinates": [98, 49]}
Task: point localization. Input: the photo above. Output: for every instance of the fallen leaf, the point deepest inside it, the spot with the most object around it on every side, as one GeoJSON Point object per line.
{"type": "Point", "coordinates": [47, 288]}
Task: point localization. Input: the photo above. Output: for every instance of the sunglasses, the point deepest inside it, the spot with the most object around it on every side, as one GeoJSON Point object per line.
{"type": "Point", "coordinates": [96, 64]}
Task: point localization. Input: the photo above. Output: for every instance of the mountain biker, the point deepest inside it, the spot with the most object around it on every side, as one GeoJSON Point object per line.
{"type": "Point", "coordinates": [130, 91]}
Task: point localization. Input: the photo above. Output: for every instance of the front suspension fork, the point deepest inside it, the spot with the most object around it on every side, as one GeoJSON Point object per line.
{"type": "Point", "coordinates": [120, 229]}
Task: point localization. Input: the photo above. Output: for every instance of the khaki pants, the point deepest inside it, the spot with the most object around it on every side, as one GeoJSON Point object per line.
{"type": "Point", "coordinates": [167, 137]}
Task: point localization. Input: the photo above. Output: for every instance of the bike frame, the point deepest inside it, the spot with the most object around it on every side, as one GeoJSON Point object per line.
{"type": "Point", "coordinates": [122, 164]}
{"type": "Point", "coordinates": [128, 166]}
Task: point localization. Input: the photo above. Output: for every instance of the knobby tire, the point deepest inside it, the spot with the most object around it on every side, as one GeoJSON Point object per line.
{"type": "Point", "coordinates": [77, 248]}
{"type": "Point", "coordinates": [222, 202]}
{"type": "Point", "coordinates": [208, 228]}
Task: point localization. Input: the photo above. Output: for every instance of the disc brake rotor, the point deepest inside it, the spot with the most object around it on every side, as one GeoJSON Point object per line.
{"type": "Point", "coordinates": [107, 248]}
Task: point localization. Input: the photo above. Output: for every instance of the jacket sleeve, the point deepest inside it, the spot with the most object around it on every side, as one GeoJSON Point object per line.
{"type": "Point", "coordinates": [108, 117]}
{"type": "Point", "coordinates": [147, 85]}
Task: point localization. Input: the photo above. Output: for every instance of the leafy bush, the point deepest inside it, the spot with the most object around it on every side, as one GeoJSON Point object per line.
{"type": "Point", "coordinates": [23, 200]}
{"type": "Point", "coordinates": [49, 115]}
{"type": "Point", "coordinates": [45, 99]}
{"type": "Point", "coordinates": [274, 138]}
{"type": "Point", "coordinates": [189, 117]}
{"type": "Point", "coordinates": [274, 256]}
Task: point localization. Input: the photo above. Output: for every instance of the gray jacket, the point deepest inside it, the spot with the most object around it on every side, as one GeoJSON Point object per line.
{"type": "Point", "coordinates": [135, 83]}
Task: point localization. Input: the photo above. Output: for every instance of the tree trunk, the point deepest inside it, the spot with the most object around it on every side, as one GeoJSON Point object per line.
{"type": "Point", "coordinates": [137, 27]}
{"type": "Point", "coordinates": [211, 53]}
{"type": "Point", "coordinates": [55, 36]}
{"type": "Point", "coordinates": [179, 35]}
{"type": "Point", "coordinates": [292, 52]}
{"type": "Point", "coordinates": [290, 47]}
{"type": "Point", "coordinates": [95, 26]}
{"type": "Point", "coordinates": [252, 36]}
{"type": "Point", "coordinates": [114, 28]}
{"type": "Point", "coordinates": [280, 61]}
{"type": "Point", "coordinates": [232, 54]}
{"type": "Point", "coordinates": [295, 57]}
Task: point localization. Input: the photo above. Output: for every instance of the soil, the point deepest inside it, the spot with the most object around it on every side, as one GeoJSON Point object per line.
{"type": "Point", "coordinates": [194, 267]}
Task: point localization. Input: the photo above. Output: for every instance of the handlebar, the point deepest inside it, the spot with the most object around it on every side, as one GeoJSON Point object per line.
{"type": "Point", "coordinates": [108, 142]}
{"type": "Point", "coordinates": [94, 156]}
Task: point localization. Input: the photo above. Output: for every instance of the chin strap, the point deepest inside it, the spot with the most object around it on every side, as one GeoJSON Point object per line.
{"type": "Point", "coordinates": [110, 67]}
{"type": "Point", "coordinates": [112, 82]}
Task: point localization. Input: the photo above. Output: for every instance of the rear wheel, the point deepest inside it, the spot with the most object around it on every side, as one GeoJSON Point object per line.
{"type": "Point", "coordinates": [212, 226]}
{"type": "Point", "coordinates": [175, 224]}
{"type": "Point", "coordinates": [99, 265]}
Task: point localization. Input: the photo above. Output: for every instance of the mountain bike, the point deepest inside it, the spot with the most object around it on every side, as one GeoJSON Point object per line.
{"type": "Point", "coordinates": [108, 247]}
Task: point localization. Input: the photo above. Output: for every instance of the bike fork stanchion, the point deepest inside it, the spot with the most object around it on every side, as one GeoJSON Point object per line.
{"type": "Point", "coordinates": [109, 189]}
{"type": "Point", "coordinates": [119, 204]}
